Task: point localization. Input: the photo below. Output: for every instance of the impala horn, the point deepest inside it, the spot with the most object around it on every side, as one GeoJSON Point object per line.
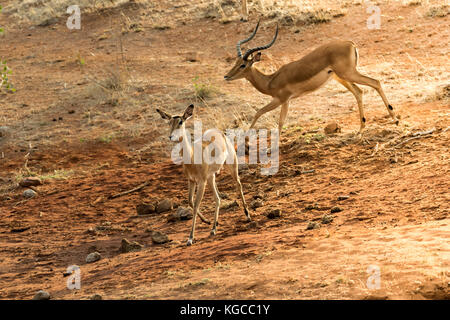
{"type": "Point", "coordinates": [249, 52]}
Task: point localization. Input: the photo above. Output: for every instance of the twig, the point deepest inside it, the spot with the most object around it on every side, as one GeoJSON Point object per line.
{"type": "Point", "coordinates": [416, 135]}
{"type": "Point", "coordinates": [130, 191]}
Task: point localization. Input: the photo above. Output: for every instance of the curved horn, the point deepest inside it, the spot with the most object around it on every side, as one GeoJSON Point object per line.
{"type": "Point", "coordinates": [238, 46]}
{"type": "Point", "coordinates": [249, 52]}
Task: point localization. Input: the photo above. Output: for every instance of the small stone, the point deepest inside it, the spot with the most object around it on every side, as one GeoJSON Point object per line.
{"type": "Point", "coordinates": [29, 193]}
{"type": "Point", "coordinates": [326, 219]}
{"type": "Point", "coordinates": [159, 237]}
{"type": "Point", "coordinates": [340, 198]}
{"type": "Point", "coordinates": [4, 131]}
{"type": "Point", "coordinates": [258, 203]}
{"type": "Point", "coordinates": [93, 257]}
{"type": "Point", "coordinates": [259, 195]}
{"type": "Point", "coordinates": [96, 297]}
{"type": "Point", "coordinates": [42, 295]}
{"type": "Point", "coordinates": [314, 206]}
{"type": "Point", "coordinates": [164, 205]}
{"type": "Point", "coordinates": [127, 246]}
{"type": "Point", "coordinates": [30, 182]}
{"type": "Point", "coordinates": [336, 209]}
{"type": "Point", "coordinates": [228, 204]}
{"type": "Point", "coordinates": [144, 209]}
{"type": "Point", "coordinates": [313, 225]}
{"type": "Point", "coordinates": [182, 213]}
{"type": "Point", "coordinates": [253, 225]}
{"type": "Point", "coordinates": [276, 213]}
{"type": "Point", "coordinates": [332, 127]}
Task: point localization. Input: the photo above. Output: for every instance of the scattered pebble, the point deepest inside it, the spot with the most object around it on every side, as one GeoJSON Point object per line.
{"type": "Point", "coordinates": [182, 213]}
{"type": "Point", "coordinates": [30, 182]}
{"type": "Point", "coordinates": [96, 297]}
{"type": "Point", "coordinates": [144, 209]}
{"type": "Point", "coordinates": [314, 206]}
{"type": "Point", "coordinates": [29, 193]}
{"type": "Point", "coordinates": [336, 209]}
{"type": "Point", "coordinates": [340, 198]}
{"type": "Point", "coordinates": [159, 237]}
{"type": "Point", "coordinates": [42, 295]}
{"type": "Point", "coordinates": [326, 219]}
{"type": "Point", "coordinates": [312, 225]}
{"type": "Point", "coordinates": [127, 246]}
{"type": "Point", "coordinates": [164, 205]}
{"type": "Point", "coordinates": [228, 204]}
{"type": "Point", "coordinates": [256, 204]}
{"type": "Point", "coordinates": [332, 127]}
{"type": "Point", "coordinates": [276, 213]}
{"type": "Point", "coordinates": [93, 257]}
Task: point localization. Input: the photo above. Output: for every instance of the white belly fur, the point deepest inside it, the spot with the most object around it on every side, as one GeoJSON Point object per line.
{"type": "Point", "coordinates": [312, 84]}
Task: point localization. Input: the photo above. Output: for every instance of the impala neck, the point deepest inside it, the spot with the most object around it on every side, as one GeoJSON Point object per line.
{"type": "Point", "coordinates": [259, 80]}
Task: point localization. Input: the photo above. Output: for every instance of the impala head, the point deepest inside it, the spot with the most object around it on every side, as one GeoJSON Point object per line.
{"type": "Point", "coordinates": [245, 61]}
{"type": "Point", "coordinates": [176, 122]}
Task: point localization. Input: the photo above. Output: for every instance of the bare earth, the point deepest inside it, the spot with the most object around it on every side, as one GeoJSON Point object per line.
{"type": "Point", "coordinates": [396, 216]}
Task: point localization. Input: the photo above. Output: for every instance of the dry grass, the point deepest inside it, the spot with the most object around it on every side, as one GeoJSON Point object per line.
{"type": "Point", "coordinates": [46, 12]}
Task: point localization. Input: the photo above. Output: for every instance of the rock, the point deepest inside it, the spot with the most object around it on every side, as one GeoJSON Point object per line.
{"type": "Point", "coordinates": [336, 209]}
{"type": "Point", "coordinates": [159, 237]}
{"type": "Point", "coordinates": [276, 213]}
{"type": "Point", "coordinates": [253, 225]}
{"type": "Point", "coordinates": [4, 131]}
{"type": "Point", "coordinates": [42, 295]}
{"type": "Point", "coordinates": [29, 193]}
{"type": "Point", "coordinates": [144, 209]}
{"type": "Point", "coordinates": [182, 213]}
{"type": "Point", "coordinates": [164, 205]}
{"type": "Point", "coordinates": [314, 206]}
{"type": "Point", "coordinates": [332, 127]}
{"type": "Point", "coordinates": [228, 204]}
{"type": "Point", "coordinates": [192, 56]}
{"type": "Point", "coordinates": [340, 198]}
{"type": "Point", "coordinates": [259, 195]}
{"type": "Point", "coordinates": [96, 297]}
{"type": "Point", "coordinates": [258, 203]}
{"type": "Point", "coordinates": [313, 225]}
{"type": "Point", "coordinates": [127, 246]}
{"type": "Point", "coordinates": [93, 257]}
{"type": "Point", "coordinates": [326, 219]}
{"type": "Point", "coordinates": [48, 22]}
{"type": "Point", "coordinates": [30, 182]}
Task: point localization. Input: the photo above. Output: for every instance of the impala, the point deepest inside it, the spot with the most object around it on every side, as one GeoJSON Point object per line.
{"type": "Point", "coordinates": [204, 172]}
{"type": "Point", "coordinates": [337, 59]}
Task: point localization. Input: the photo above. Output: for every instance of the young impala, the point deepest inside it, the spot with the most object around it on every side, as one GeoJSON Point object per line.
{"type": "Point", "coordinates": [199, 174]}
{"type": "Point", "coordinates": [337, 59]}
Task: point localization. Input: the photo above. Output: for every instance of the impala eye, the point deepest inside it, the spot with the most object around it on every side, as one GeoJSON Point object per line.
{"type": "Point", "coordinates": [242, 66]}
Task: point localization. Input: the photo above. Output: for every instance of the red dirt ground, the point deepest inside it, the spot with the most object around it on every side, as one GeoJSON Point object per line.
{"type": "Point", "coordinates": [396, 216]}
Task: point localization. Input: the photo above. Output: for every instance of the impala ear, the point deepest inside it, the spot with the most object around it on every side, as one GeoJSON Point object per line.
{"type": "Point", "coordinates": [164, 115]}
{"type": "Point", "coordinates": [257, 57]}
{"type": "Point", "coordinates": [188, 112]}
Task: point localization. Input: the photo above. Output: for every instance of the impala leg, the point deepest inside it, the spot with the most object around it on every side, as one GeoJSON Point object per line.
{"type": "Point", "coordinates": [244, 16]}
{"type": "Point", "coordinates": [358, 93]}
{"type": "Point", "coordinates": [269, 107]}
{"type": "Point", "coordinates": [233, 168]}
{"type": "Point", "coordinates": [283, 114]}
{"type": "Point", "coordinates": [213, 185]}
{"type": "Point", "coordinates": [355, 76]}
{"type": "Point", "coordinates": [192, 186]}
{"type": "Point", "coordinates": [198, 200]}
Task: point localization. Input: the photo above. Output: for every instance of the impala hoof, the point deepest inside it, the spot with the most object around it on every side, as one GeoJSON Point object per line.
{"type": "Point", "coordinates": [212, 233]}
{"type": "Point", "coordinates": [189, 242]}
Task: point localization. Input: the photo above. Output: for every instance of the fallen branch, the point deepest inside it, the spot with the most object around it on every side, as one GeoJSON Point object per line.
{"type": "Point", "coordinates": [416, 135]}
{"type": "Point", "coordinates": [130, 191]}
